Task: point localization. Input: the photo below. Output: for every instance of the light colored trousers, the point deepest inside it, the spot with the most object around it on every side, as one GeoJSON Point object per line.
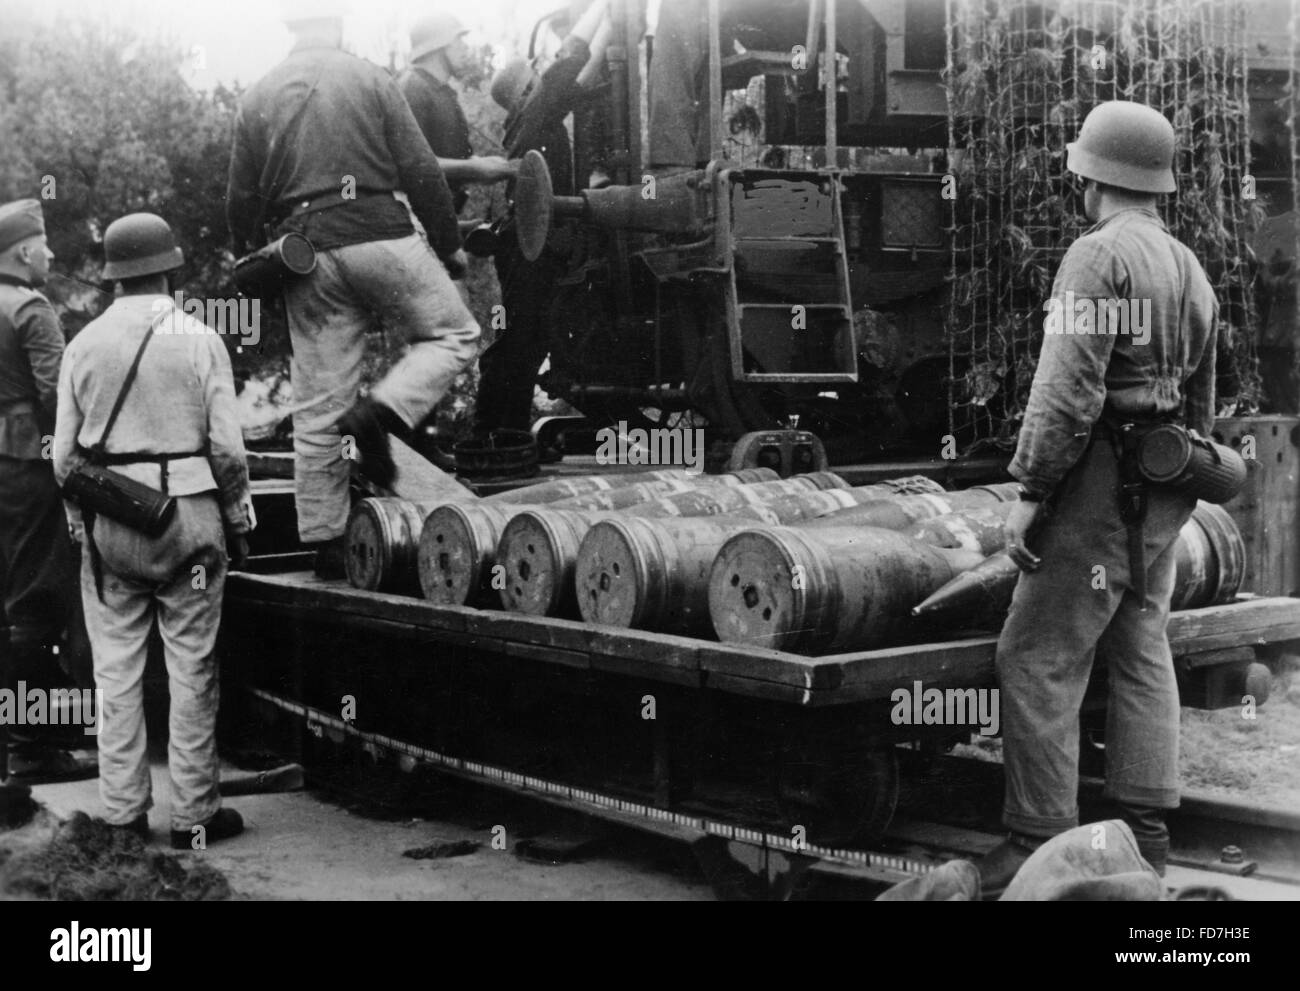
{"type": "Point", "coordinates": [402, 286]}
{"type": "Point", "coordinates": [144, 579]}
{"type": "Point", "coordinates": [1059, 621]}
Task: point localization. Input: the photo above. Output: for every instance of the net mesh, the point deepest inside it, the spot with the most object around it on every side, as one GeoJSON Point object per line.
{"type": "Point", "coordinates": [1020, 80]}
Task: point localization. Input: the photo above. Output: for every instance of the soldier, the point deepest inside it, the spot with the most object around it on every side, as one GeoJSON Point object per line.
{"type": "Point", "coordinates": [36, 569]}
{"type": "Point", "coordinates": [321, 145]}
{"type": "Point", "coordinates": [147, 392]}
{"type": "Point", "coordinates": [509, 365]}
{"type": "Point", "coordinates": [438, 55]}
{"type": "Point", "coordinates": [1102, 581]}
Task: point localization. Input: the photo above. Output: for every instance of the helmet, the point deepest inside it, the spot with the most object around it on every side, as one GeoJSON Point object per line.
{"type": "Point", "coordinates": [139, 244]}
{"type": "Point", "coordinates": [433, 32]}
{"type": "Point", "coordinates": [511, 82]}
{"type": "Point", "coordinates": [1126, 145]}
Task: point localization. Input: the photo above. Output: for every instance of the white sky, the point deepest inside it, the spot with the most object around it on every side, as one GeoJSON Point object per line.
{"type": "Point", "coordinates": [242, 39]}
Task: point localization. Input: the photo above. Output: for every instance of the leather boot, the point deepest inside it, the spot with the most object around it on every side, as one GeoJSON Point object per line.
{"type": "Point", "coordinates": [1002, 863]}
{"type": "Point", "coordinates": [369, 423]}
{"type": "Point", "coordinates": [1151, 833]}
{"type": "Point", "coordinates": [330, 562]}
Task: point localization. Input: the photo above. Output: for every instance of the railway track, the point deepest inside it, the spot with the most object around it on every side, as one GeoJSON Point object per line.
{"type": "Point", "coordinates": [1222, 849]}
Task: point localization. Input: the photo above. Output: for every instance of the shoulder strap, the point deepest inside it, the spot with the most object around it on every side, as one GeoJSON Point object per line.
{"type": "Point", "coordinates": [271, 177]}
{"type": "Point", "coordinates": [127, 383]}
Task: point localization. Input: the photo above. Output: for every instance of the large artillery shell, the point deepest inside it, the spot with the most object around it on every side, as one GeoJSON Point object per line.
{"type": "Point", "coordinates": [1209, 560]}
{"type": "Point", "coordinates": [716, 501]}
{"type": "Point", "coordinates": [538, 549]}
{"type": "Point", "coordinates": [627, 495]}
{"type": "Point", "coordinates": [567, 488]}
{"type": "Point", "coordinates": [811, 506]}
{"type": "Point", "coordinates": [982, 529]}
{"type": "Point", "coordinates": [653, 574]}
{"type": "Point", "coordinates": [904, 512]}
{"type": "Point", "coordinates": [825, 590]}
{"type": "Point", "coordinates": [457, 552]}
{"type": "Point", "coordinates": [382, 545]}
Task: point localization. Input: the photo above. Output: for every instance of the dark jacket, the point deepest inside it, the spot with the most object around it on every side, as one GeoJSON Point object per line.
{"type": "Point", "coordinates": [355, 124]}
{"type": "Point", "coordinates": [31, 347]}
{"type": "Point", "coordinates": [442, 121]}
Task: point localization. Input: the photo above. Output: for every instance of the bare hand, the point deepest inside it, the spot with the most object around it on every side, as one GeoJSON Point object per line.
{"type": "Point", "coordinates": [237, 550]}
{"type": "Point", "coordinates": [1019, 522]}
{"type": "Point", "coordinates": [493, 168]}
{"type": "Point", "coordinates": [457, 264]}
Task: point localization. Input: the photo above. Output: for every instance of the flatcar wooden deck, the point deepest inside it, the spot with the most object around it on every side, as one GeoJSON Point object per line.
{"type": "Point", "coordinates": [862, 676]}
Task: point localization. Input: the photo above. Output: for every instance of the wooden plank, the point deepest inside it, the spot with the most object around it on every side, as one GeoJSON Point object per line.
{"type": "Point", "coordinates": [751, 671]}
{"type": "Point", "coordinates": [751, 688]}
{"type": "Point", "coordinates": [547, 654]}
{"type": "Point", "coordinates": [304, 589]}
{"type": "Point", "coordinates": [566, 634]}
{"type": "Point", "coordinates": [762, 664]}
{"type": "Point", "coordinates": [636, 647]}
{"type": "Point", "coordinates": [635, 667]}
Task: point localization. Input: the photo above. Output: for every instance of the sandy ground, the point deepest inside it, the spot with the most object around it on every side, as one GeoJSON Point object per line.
{"type": "Point", "coordinates": [304, 845]}
{"type": "Point", "coordinates": [1233, 753]}
{"type": "Point", "coordinates": [1224, 752]}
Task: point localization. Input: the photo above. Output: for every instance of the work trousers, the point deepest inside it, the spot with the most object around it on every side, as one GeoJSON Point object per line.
{"type": "Point", "coordinates": [1080, 603]}
{"type": "Point", "coordinates": [178, 580]}
{"type": "Point", "coordinates": [401, 286]}
{"type": "Point", "coordinates": [36, 564]}
{"type": "Point", "coordinates": [509, 365]}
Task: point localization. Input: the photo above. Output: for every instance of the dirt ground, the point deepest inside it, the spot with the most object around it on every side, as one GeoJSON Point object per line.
{"type": "Point", "coordinates": [330, 845]}
{"type": "Point", "coordinates": [304, 845]}
{"type": "Point", "coordinates": [1226, 752]}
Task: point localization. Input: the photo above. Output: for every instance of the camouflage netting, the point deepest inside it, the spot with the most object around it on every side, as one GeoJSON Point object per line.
{"type": "Point", "coordinates": [1021, 78]}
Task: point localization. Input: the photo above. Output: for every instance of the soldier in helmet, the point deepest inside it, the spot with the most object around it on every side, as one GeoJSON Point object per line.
{"type": "Point", "coordinates": [36, 569]}
{"type": "Point", "coordinates": [438, 55]}
{"type": "Point", "coordinates": [322, 145]}
{"type": "Point", "coordinates": [1103, 579]}
{"type": "Point", "coordinates": [509, 365]}
{"type": "Point", "coordinates": [147, 392]}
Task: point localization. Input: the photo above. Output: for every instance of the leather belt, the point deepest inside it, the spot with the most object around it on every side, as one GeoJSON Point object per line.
{"type": "Point", "coordinates": [327, 201]}
{"type": "Point", "coordinates": [162, 459]}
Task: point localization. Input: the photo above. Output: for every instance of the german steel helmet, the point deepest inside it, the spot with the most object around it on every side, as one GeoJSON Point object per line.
{"type": "Point", "coordinates": [139, 244]}
{"type": "Point", "coordinates": [1126, 145]}
{"type": "Point", "coordinates": [433, 32]}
